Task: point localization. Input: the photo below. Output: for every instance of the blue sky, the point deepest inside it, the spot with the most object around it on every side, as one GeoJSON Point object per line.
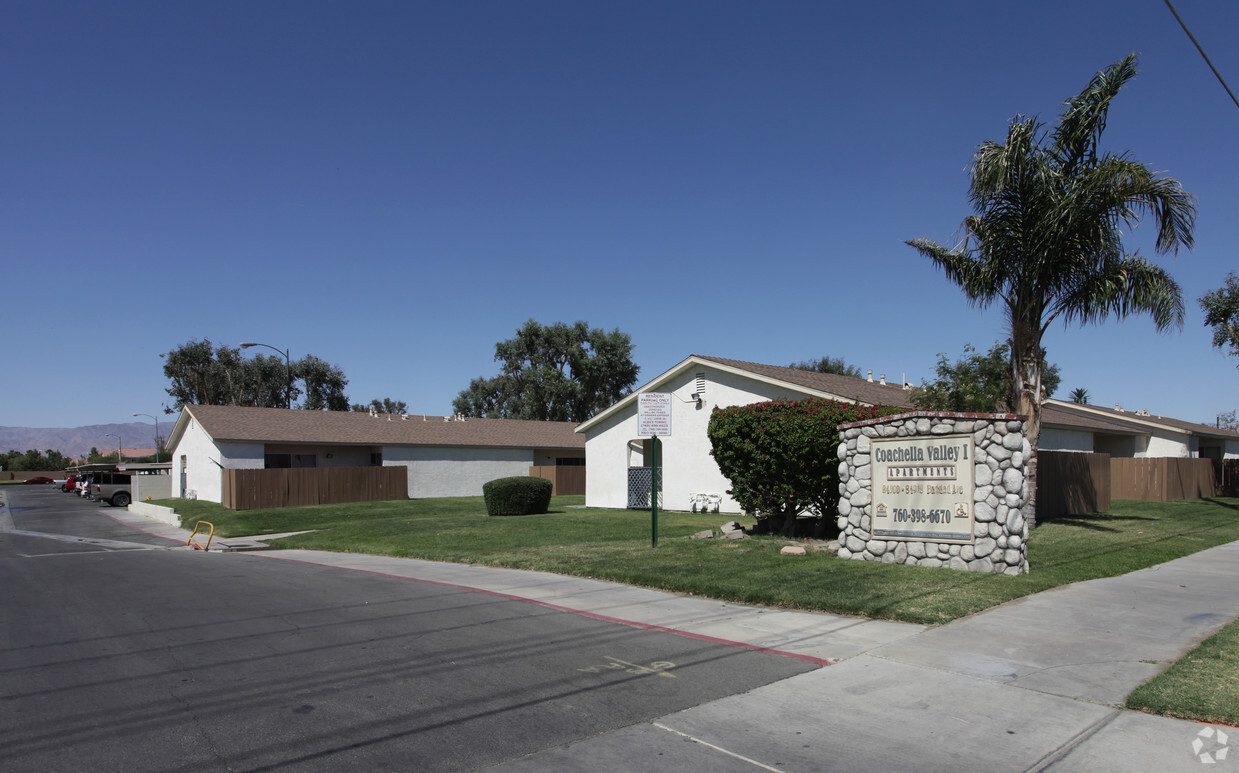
{"type": "Point", "coordinates": [395, 187]}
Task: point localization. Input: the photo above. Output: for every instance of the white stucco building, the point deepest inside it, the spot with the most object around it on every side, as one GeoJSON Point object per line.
{"type": "Point", "coordinates": [445, 456]}
{"type": "Point", "coordinates": [619, 458]}
{"type": "Point", "coordinates": [617, 454]}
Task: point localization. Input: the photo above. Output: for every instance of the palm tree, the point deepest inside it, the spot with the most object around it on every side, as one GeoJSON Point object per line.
{"type": "Point", "coordinates": [1046, 239]}
{"type": "Point", "coordinates": [1079, 395]}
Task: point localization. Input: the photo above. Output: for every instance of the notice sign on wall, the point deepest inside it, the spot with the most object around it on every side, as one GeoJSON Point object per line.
{"type": "Point", "coordinates": [922, 488]}
{"type": "Point", "coordinates": [654, 414]}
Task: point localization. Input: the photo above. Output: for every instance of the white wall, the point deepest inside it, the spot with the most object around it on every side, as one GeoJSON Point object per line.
{"type": "Point", "coordinates": [1232, 450]}
{"type": "Point", "coordinates": [203, 461]}
{"type": "Point", "coordinates": [687, 465]}
{"type": "Point", "coordinates": [144, 487]}
{"type": "Point", "coordinates": [456, 472]}
{"type": "Point", "coordinates": [1055, 439]}
{"type": "Point", "coordinates": [193, 454]}
{"type": "Point", "coordinates": [1166, 443]}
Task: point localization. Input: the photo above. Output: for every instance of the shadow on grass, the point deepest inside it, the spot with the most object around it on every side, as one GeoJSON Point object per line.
{"type": "Point", "coordinates": [1093, 520]}
{"type": "Point", "coordinates": [1221, 503]}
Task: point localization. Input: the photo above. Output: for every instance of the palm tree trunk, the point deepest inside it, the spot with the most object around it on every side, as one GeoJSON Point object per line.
{"type": "Point", "coordinates": [1026, 357]}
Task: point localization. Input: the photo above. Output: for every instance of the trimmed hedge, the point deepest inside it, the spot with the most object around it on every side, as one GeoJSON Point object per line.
{"type": "Point", "coordinates": [517, 496]}
{"type": "Point", "coordinates": [782, 456]}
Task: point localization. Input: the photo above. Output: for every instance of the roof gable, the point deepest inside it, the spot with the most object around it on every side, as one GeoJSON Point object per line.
{"type": "Point", "coordinates": [811, 383]}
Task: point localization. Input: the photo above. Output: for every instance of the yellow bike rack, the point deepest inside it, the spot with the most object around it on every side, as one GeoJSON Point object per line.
{"type": "Point", "coordinates": [193, 543]}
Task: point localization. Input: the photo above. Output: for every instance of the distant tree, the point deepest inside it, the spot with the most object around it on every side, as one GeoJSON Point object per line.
{"type": "Point", "coordinates": [1079, 395]}
{"type": "Point", "coordinates": [977, 382]}
{"type": "Point", "coordinates": [1228, 421]}
{"type": "Point", "coordinates": [1221, 308]}
{"type": "Point", "coordinates": [198, 374]}
{"type": "Point", "coordinates": [1046, 239]}
{"type": "Point", "coordinates": [202, 374]}
{"type": "Point", "coordinates": [555, 372]}
{"type": "Point", "coordinates": [33, 459]}
{"type": "Point", "coordinates": [386, 405]}
{"type": "Point", "coordinates": [828, 365]}
{"type": "Point", "coordinates": [324, 384]}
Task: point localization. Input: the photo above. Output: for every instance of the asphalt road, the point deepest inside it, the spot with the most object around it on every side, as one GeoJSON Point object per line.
{"type": "Point", "coordinates": [124, 652]}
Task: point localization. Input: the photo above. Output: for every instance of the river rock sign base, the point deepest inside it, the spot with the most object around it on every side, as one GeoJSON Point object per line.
{"type": "Point", "coordinates": [936, 489]}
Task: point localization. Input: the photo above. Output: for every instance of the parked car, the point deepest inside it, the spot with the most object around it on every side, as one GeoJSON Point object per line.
{"type": "Point", "coordinates": [40, 479]}
{"type": "Point", "coordinates": [113, 488]}
{"type": "Point", "coordinates": [83, 486]}
{"type": "Point", "coordinates": [70, 483]}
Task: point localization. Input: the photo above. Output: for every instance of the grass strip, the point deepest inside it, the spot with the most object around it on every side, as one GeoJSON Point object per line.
{"type": "Point", "coordinates": [1203, 686]}
{"type": "Point", "coordinates": [615, 545]}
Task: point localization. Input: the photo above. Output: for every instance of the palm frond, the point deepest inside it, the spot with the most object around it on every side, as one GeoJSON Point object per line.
{"type": "Point", "coordinates": [1074, 141]}
{"type": "Point", "coordinates": [1124, 287]}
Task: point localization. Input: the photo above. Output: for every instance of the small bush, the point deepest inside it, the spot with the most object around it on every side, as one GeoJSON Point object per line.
{"type": "Point", "coordinates": [517, 496]}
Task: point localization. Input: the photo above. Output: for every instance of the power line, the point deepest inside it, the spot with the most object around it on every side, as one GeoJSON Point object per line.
{"type": "Point", "coordinates": [1205, 56]}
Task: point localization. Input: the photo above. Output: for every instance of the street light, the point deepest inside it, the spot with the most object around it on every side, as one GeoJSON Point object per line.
{"type": "Point", "coordinates": [120, 457]}
{"type": "Point", "coordinates": [288, 368]}
{"type": "Point", "coordinates": [156, 418]}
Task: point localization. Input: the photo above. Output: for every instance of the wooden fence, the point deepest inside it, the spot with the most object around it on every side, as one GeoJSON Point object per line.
{"type": "Point", "coordinates": [285, 487]}
{"type": "Point", "coordinates": [566, 479]}
{"type": "Point", "coordinates": [1070, 483]}
{"type": "Point", "coordinates": [1162, 479]}
{"type": "Point", "coordinates": [1086, 483]}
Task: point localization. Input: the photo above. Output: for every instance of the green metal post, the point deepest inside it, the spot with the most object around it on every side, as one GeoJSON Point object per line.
{"type": "Point", "coordinates": [654, 448]}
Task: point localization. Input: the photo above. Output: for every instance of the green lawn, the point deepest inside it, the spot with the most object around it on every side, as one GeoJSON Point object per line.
{"type": "Point", "coordinates": [615, 545]}
{"type": "Point", "coordinates": [1203, 686]}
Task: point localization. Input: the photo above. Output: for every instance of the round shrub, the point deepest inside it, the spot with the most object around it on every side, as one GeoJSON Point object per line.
{"type": "Point", "coordinates": [517, 496]}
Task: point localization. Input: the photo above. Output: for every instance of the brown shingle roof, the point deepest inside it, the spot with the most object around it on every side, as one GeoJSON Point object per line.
{"type": "Point", "coordinates": [226, 423]}
{"type": "Point", "coordinates": [1059, 417]}
{"type": "Point", "coordinates": [849, 387]}
{"type": "Point", "coordinates": [1133, 421]}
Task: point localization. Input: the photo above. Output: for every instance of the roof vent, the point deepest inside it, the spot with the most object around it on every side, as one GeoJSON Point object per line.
{"type": "Point", "coordinates": [699, 387]}
{"type": "Point", "coordinates": [883, 381]}
{"type": "Point", "coordinates": [871, 377]}
{"type": "Point", "coordinates": [1118, 407]}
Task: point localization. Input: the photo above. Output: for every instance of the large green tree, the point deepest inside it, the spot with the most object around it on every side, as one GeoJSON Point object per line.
{"type": "Point", "coordinates": [1221, 307]}
{"type": "Point", "coordinates": [977, 382]}
{"type": "Point", "coordinates": [555, 372]}
{"type": "Point", "coordinates": [202, 374]}
{"type": "Point", "coordinates": [1046, 237]}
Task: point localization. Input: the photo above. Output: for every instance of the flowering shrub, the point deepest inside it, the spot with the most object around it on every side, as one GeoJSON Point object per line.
{"type": "Point", "coordinates": [782, 456]}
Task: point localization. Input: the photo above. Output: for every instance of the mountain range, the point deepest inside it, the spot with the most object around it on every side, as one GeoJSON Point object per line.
{"type": "Point", "coordinates": [77, 441]}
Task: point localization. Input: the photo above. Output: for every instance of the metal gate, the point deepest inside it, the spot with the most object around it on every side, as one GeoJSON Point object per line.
{"type": "Point", "coordinates": [639, 481]}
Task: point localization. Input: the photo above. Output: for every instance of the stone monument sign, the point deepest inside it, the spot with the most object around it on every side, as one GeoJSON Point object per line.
{"type": "Point", "coordinates": [935, 489]}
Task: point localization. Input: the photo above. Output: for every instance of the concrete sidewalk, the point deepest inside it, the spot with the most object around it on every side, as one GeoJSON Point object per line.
{"type": "Point", "coordinates": [1029, 686]}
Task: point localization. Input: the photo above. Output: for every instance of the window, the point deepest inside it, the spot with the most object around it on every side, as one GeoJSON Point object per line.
{"type": "Point", "coordinates": [376, 459]}
{"type": "Point", "coordinates": [569, 461]}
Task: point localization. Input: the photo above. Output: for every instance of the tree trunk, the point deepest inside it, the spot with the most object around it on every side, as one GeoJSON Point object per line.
{"type": "Point", "coordinates": [1026, 357]}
